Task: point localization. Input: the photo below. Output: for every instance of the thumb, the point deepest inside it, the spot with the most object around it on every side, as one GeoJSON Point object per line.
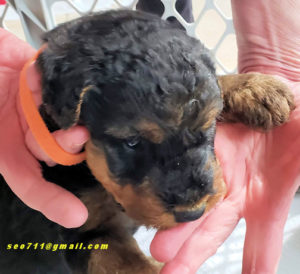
{"type": "Point", "coordinates": [264, 236]}
{"type": "Point", "coordinates": [204, 240]}
{"type": "Point", "coordinates": [71, 140]}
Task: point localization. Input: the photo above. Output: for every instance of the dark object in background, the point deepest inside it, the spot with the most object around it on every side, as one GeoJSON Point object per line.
{"type": "Point", "coordinates": [184, 7]}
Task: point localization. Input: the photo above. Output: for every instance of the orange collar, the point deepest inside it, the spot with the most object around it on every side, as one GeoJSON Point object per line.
{"type": "Point", "coordinates": [38, 127]}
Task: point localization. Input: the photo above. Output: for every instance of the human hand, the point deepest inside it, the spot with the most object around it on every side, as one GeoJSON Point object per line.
{"type": "Point", "coordinates": [20, 152]}
{"type": "Point", "coordinates": [260, 169]}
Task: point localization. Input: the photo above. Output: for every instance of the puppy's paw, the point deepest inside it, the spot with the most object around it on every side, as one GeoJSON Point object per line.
{"type": "Point", "coordinates": [256, 100]}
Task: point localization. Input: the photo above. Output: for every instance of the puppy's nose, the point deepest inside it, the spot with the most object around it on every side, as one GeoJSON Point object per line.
{"type": "Point", "coordinates": [188, 216]}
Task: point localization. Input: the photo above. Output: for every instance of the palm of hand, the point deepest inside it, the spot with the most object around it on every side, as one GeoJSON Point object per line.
{"type": "Point", "coordinates": [260, 171]}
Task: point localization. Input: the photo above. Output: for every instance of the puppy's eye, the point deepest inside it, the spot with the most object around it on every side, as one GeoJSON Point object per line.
{"type": "Point", "coordinates": [132, 142]}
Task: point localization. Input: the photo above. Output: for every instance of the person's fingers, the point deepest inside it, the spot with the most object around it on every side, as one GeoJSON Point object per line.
{"type": "Point", "coordinates": [34, 83]}
{"type": "Point", "coordinates": [36, 150]}
{"type": "Point", "coordinates": [14, 51]}
{"type": "Point", "coordinates": [166, 243]}
{"type": "Point", "coordinates": [205, 240]}
{"type": "Point", "coordinates": [262, 248]}
{"type": "Point", "coordinates": [56, 203]}
{"type": "Point", "coordinates": [71, 140]}
{"type": "Point", "coordinates": [23, 174]}
{"type": "Point", "coordinates": [265, 224]}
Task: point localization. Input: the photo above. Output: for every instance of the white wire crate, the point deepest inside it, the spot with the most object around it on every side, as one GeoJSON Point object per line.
{"type": "Point", "coordinates": [212, 24]}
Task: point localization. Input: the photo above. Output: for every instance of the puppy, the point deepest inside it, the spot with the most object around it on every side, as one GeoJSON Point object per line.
{"type": "Point", "coordinates": [150, 98]}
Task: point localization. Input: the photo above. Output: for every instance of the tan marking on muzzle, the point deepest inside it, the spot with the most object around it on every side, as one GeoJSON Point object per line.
{"type": "Point", "coordinates": [139, 202]}
{"type": "Point", "coordinates": [209, 200]}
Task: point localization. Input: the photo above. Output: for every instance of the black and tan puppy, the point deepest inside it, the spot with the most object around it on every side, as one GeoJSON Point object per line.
{"type": "Point", "coordinates": [149, 96]}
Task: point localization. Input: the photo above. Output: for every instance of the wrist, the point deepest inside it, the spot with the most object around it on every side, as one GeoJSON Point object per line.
{"type": "Point", "coordinates": [267, 36]}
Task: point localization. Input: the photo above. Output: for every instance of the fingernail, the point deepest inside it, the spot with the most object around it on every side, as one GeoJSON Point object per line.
{"type": "Point", "coordinates": [79, 144]}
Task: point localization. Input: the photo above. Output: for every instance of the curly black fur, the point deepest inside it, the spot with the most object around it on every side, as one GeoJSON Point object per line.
{"type": "Point", "coordinates": [138, 68]}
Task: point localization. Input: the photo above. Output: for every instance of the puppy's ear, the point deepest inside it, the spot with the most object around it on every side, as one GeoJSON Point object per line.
{"type": "Point", "coordinates": [64, 86]}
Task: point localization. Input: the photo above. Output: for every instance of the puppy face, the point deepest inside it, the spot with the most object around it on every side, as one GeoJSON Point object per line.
{"type": "Point", "coordinates": [148, 95]}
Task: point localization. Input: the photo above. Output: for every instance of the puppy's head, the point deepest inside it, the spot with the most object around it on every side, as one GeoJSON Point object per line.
{"type": "Point", "coordinates": [148, 95]}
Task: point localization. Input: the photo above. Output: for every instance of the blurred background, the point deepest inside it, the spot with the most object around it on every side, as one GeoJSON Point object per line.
{"type": "Point", "coordinates": [213, 21]}
{"type": "Point", "coordinates": [213, 26]}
